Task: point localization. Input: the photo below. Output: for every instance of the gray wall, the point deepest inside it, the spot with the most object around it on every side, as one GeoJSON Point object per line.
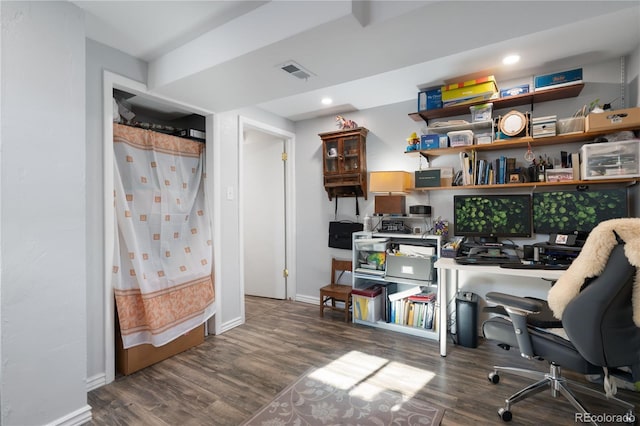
{"type": "Point", "coordinates": [389, 126]}
{"type": "Point", "coordinates": [98, 59]}
{"type": "Point", "coordinates": [43, 216]}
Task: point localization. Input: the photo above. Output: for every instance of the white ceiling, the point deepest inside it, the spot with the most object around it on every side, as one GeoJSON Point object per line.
{"type": "Point", "coordinates": [223, 55]}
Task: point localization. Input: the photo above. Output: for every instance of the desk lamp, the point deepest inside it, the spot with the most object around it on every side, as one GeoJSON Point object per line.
{"type": "Point", "coordinates": [395, 184]}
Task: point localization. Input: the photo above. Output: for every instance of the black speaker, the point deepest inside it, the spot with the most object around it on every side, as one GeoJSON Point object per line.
{"type": "Point", "coordinates": [467, 319]}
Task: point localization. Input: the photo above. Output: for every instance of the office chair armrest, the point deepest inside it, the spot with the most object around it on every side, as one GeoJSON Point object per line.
{"type": "Point", "coordinates": [522, 304]}
{"type": "Point", "coordinates": [518, 309]}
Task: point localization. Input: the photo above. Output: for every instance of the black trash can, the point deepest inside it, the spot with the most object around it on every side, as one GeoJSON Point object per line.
{"type": "Point", "coordinates": [467, 319]}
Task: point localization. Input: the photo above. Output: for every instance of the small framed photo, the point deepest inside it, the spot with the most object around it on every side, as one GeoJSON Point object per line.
{"type": "Point", "coordinates": [514, 178]}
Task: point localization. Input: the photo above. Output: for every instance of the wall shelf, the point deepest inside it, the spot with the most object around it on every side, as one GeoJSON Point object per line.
{"type": "Point", "coordinates": [585, 137]}
{"type": "Point", "coordinates": [508, 102]}
{"type": "Point", "coordinates": [628, 181]}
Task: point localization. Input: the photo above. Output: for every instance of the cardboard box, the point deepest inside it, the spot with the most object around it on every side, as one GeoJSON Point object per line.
{"type": "Point", "coordinates": [367, 303]}
{"type": "Point", "coordinates": [130, 360]}
{"type": "Point", "coordinates": [430, 99]}
{"type": "Point", "coordinates": [557, 79]}
{"type": "Point", "coordinates": [430, 141]}
{"type": "Point", "coordinates": [610, 160]}
{"type": "Point", "coordinates": [612, 120]}
{"type": "Point", "coordinates": [479, 87]}
{"type": "Point", "coordinates": [435, 177]}
{"type": "Point", "coordinates": [514, 91]}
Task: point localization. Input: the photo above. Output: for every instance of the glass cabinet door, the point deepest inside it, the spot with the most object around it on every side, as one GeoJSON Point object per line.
{"type": "Point", "coordinates": [351, 154]}
{"type": "Point", "coordinates": [331, 151]}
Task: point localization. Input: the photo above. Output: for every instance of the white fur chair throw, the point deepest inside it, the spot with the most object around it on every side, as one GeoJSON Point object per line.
{"type": "Point", "coordinates": [592, 260]}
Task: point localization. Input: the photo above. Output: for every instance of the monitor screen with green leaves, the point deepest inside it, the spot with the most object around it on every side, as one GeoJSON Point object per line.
{"type": "Point", "coordinates": [488, 217]}
{"type": "Point", "coordinates": [565, 212]}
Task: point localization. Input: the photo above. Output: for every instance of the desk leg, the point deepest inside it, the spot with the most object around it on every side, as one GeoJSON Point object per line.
{"type": "Point", "coordinates": [443, 278]}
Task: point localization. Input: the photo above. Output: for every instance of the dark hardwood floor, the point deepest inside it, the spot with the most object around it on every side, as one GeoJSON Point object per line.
{"type": "Point", "coordinates": [230, 376]}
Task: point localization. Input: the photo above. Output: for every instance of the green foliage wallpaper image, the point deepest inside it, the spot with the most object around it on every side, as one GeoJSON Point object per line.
{"type": "Point", "coordinates": [562, 212]}
{"type": "Point", "coordinates": [491, 215]}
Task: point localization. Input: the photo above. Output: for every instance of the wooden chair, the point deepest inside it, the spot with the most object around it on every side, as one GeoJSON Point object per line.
{"type": "Point", "coordinates": [337, 292]}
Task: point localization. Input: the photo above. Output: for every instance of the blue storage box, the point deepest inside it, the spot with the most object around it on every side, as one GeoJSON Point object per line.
{"type": "Point", "coordinates": [558, 79]}
{"type": "Point", "coordinates": [430, 99]}
{"type": "Point", "coordinates": [513, 91]}
{"type": "Point", "coordinates": [429, 141]}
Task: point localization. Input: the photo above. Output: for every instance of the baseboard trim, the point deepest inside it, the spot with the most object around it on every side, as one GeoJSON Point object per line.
{"type": "Point", "coordinates": [314, 300]}
{"type": "Point", "coordinates": [230, 324]}
{"type": "Point", "coordinates": [96, 381]}
{"type": "Point", "coordinates": [79, 417]}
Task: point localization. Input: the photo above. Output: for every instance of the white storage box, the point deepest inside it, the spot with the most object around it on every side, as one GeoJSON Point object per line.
{"type": "Point", "coordinates": [610, 160]}
{"type": "Point", "coordinates": [367, 304]}
{"type": "Point", "coordinates": [460, 137]}
{"type": "Point", "coordinates": [371, 244]}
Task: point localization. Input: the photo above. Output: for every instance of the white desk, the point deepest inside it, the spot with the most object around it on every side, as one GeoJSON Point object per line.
{"type": "Point", "coordinates": [448, 272]}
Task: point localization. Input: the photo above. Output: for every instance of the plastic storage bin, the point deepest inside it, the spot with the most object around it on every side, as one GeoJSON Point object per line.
{"type": "Point", "coordinates": [460, 137]}
{"type": "Point", "coordinates": [367, 304]}
{"type": "Point", "coordinates": [610, 160]}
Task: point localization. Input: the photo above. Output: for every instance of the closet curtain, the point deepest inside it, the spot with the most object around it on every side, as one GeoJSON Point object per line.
{"type": "Point", "coordinates": [163, 260]}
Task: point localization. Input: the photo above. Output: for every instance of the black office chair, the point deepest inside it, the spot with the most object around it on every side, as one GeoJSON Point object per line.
{"type": "Point", "coordinates": [598, 322]}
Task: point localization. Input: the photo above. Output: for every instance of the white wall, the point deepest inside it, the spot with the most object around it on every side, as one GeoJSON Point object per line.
{"type": "Point", "coordinates": [99, 58]}
{"type": "Point", "coordinates": [43, 278]}
{"type": "Point", "coordinates": [389, 126]}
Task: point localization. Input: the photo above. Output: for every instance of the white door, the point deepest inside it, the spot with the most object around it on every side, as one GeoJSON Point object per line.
{"type": "Point", "coordinates": [264, 215]}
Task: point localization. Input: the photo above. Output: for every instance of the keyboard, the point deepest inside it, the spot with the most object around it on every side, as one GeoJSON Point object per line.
{"type": "Point", "coordinates": [488, 260]}
{"type": "Point", "coordinates": [534, 266]}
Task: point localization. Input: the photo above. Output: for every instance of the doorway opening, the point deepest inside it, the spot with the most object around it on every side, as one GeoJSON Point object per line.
{"type": "Point", "coordinates": [266, 210]}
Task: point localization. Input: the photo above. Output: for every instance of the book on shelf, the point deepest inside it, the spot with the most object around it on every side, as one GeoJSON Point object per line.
{"type": "Point", "coordinates": [402, 294]}
{"type": "Point", "coordinates": [422, 297]}
{"type": "Point", "coordinates": [413, 314]}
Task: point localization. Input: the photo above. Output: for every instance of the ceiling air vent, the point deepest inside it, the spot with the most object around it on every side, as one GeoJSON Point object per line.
{"type": "Point", "coordinates": [296, 70]}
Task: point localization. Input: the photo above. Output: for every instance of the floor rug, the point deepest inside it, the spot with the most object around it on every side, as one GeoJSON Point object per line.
{"type": "Point", "coordinates": [314, 400]}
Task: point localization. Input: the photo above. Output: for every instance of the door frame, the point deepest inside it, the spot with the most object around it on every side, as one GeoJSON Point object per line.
{"type": "Point", "coordinates": [112, 81]}
{"type": "Point", "coordinates": [290, 225]}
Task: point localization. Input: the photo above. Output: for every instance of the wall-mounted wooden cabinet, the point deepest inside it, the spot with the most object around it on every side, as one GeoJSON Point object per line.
{"type": "Point", "coordinates": [344, 155]}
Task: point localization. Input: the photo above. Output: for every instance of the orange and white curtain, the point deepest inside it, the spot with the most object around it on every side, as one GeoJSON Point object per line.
{"type": "Point", "coordinates": [163, 261]}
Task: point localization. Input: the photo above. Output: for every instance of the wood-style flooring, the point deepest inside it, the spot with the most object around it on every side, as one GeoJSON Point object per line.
{"type": "Point", "coordinates": [229, 377]}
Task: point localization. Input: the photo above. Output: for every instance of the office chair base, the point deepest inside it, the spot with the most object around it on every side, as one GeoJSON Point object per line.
{"type": "Point", "coordinates": [557, 383]}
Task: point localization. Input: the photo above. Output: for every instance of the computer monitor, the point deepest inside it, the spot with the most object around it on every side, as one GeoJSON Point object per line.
{"type": "Point", "coordinates": [489, 217]}
{"type": "Point", "coordinates": [566, 212]}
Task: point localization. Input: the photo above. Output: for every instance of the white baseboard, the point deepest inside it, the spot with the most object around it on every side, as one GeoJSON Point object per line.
{"type": "Point", "coordinates": [96, 381]}
{"type": "Point", "coordinates": [230, 324]}
{"type": "Point", "coordinates": [314, 300]}
{"type": "Point", "coordinates": [79, 417]}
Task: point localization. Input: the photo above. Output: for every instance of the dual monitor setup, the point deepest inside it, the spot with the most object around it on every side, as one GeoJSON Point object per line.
{"type": "Point", "coordinates": [567, 216]}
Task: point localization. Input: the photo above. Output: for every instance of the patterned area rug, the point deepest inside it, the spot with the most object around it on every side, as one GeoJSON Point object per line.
{"type": "Point", "coordinates": [317, 398]}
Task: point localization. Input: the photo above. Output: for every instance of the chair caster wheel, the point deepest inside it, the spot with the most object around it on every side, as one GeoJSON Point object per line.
{"type": "Point", "coordinates": [505, 415]}
{"type": "Point", "coordinates": [494, 378]}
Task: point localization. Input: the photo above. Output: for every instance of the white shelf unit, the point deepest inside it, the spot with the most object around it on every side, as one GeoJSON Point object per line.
{"type": "Point", "coordinates": [362, 279]}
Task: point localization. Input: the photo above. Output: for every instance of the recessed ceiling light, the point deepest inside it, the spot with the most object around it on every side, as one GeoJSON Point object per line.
{"type": "Point", "coordinates": [511, 59]}
{"type": "Point", "coordinates": [326, 101]}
